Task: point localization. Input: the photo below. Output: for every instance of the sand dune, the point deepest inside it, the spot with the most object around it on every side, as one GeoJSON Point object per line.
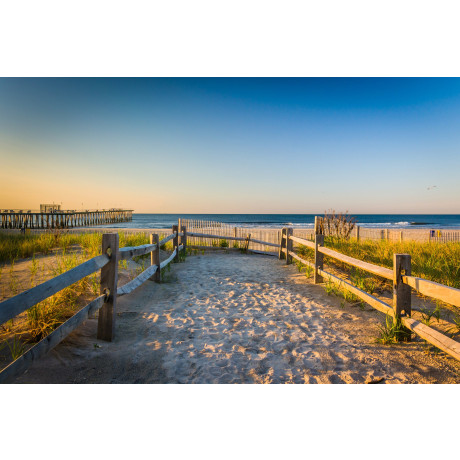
{"type": "Point", "coordinates": [233, 318]}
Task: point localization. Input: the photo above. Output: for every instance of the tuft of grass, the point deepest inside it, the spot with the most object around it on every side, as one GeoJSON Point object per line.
{"type": "Point", "coordinates": [308, 271]}
{"type": "Point", "coordinates": [456, 328]}
{"type": "Point", "coordinates": [16, 348]}
{"type": "Point", "coordinates": [427, 315]}
{"type": "Point", "coordinates": [392, 331]}
{"type": "Point", "coordinates": [223, 244]}
{"type": "Point", "coordinates": [363, 281]}
{"type": "Point", "coordinates": [333, 289]}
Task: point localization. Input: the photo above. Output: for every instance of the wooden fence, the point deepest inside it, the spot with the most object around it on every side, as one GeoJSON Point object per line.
{"type": "Point", "coordinates": [402, 280]}
{"type": "Point", "coordinates": [105, 303]}
{"type": "Point", "coordinates": [400, 276]}
{"type": "Point", "coordinates": [359, 233]}
{"type": "Point", "coordinates": [10, 219]}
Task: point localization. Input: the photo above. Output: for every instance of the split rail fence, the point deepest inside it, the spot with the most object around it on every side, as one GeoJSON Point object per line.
{"type": "Point", "coordinates": [400, 276]}
{"type": "Point", "coordinates": [105, 303]}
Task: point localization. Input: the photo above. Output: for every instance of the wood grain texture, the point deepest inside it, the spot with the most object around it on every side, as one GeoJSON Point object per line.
{"type": "Point", "coordinates": [23, 301]}
{"type": "Point", "coordinates": [168, 260]}
{"type": "Point", "coordinates": [289, 245]}
{"type": "Point", "coordinates": [50, 341]}
{"type": "Point", "coordinates": [281, 252]}
{"type": "Point", "coordinates": [175, 230]}
{"type": "Point", "coordinates": [109, 280]}
{"type": "Point", "coordinates": [265, 253]}
{"type": "Point", "coordinates": [303, 242]}
{"type": "Point", "coordinates": [446, 344]}
{"type": "Point", "coordinates": [212, 236]}
{"type": "Point", "coordinates": [438, 291]}
{"type": "Point", "coordinates": [266, 243]}
{"type": "Point", "coordinates": [134, 251]}
{"type": "Point", "coordinates": [167, 238]}
{"type": "Point", "coordinates": [155, 256]}
{"type": "Point", "coordinates": [401, 291]}
{"type": "Point", "coordinates": [305, 262]}
{"type": "Point", "coordinates": [375, 269]}
{"type": "Point", "coordinates": [319, 241]}
{"type": "Point", "coordinates": [213, 247]}
{"type": "Point", "coordinates": [136, 282]}
{"type": "Point", "coordinates": [371, 300]}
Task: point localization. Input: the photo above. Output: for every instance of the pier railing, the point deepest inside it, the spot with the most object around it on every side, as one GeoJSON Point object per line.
{"type": "Point", "coordinates": [11, 219]}
{"type": "Point", "coordinates": [105, 303]}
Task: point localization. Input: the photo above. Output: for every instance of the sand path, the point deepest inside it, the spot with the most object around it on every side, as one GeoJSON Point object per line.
{"type": "Point", "coordinates": [233, 318]}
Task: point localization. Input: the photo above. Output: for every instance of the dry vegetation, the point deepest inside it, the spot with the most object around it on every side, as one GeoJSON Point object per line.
{"type": "Point", "coordinates": [49, 255]}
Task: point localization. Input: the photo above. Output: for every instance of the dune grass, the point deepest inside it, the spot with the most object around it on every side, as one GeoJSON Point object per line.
{"type": "Point", "coordinates": [439, 262]}
{"type": "Point", "coordinates": [18, 246]}
{"type": "Point", "coordinates": [69, 250]}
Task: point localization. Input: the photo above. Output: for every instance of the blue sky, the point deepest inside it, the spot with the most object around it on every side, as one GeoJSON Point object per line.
{"type": "Point", "coordinates": [367, 145]}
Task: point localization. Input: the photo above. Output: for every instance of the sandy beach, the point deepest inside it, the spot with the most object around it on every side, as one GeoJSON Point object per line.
{"type": "Point", "coordinates": [234, 318]}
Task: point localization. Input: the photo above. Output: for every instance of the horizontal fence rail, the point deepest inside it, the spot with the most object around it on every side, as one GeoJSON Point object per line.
{"type": "Point", "coordinates": [130, 252]}
{"type": "Point", "coordinates": [435, 290]}
{"type": "Point", "coordinates": [184, 237]}
{"type": "Point", "coordinates": [108, 264]}
{"type": "Point", "coordinates": [247, 240]}
{"type": "Point", "coordinates": [23, 301]}
{"type": "Point", "coordinates": [50, 341]}
{"type": "Point", "coordinates": [402, 283]}
{"type": "Point", "coordinates": [371, 268]}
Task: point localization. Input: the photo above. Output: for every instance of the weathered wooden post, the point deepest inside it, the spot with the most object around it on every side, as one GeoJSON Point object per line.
{"type": "Point", "coordinates": [401, 236]}
{"type": "Point", "coordinates": [109, 280]}
{"type": "Point", "coordinates": [183, 230]}
{"type": "Point", "coordinates": [282, 244]}
{"type": "Point", "coordinates": [401, 292]}
{"type": "Point", "coordinates": [319, 241]}
{"type": "Point", "coordinates": [289, 245]}
{"type": "Point", "coordinates": [155, 256]}
{"type": "Point", "coordinates": [357, 233]}
{"type": "Point", "coordinates": [176, 242]}
{"type": "Point", "coordinates": [246, 246]}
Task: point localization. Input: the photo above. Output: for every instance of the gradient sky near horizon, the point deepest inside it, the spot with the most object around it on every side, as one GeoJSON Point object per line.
{"type": "Point", "coordinates": [199, 145]}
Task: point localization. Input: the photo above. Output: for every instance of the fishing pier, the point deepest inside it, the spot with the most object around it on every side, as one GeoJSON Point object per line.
{"type": "Point", "coordinates": [18, 219]}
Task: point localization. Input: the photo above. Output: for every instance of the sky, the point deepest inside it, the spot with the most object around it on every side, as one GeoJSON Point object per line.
{"type": "Point", "coordinates": [217, 145]}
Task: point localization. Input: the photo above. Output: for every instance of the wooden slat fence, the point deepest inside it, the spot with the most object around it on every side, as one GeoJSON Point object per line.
{"type": "Point", "coordinates": [105, 303]}
{"type": "Point", "coordinates": [402, 280]}
{"type": "Point", "coordinates": [207, 233]}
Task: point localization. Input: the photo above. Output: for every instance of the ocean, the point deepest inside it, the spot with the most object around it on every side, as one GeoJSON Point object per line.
{"type": "Point", "coordinates": [435, 221]}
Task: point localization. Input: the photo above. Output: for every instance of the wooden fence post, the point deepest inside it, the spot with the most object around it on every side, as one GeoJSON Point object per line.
{"type": "Point", "coordinates": [357, 233]}
{"type": "Point", "coordinates": [109, 280]}
{"type": "Point", "coordinates": [183, 230]}
{"type": "Point", "coordinates": [289, 245]}
{"type": "Point", "coordinates": [317, 224]}
{"type": "Point", "coordinates": [282, 244]}
{"type": "Point", "coordinates": [401, 292]}
{"type": "Point", "coordinates": [155, 256]}
{"type": "Point", "coordinates": [401, 236]}
{"type": "Point", "coordinates": [319, 241]}
{"type": "Point", "coordinates": [246, 247]}
{"type": "Point", "coordinates": [175, 230]}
